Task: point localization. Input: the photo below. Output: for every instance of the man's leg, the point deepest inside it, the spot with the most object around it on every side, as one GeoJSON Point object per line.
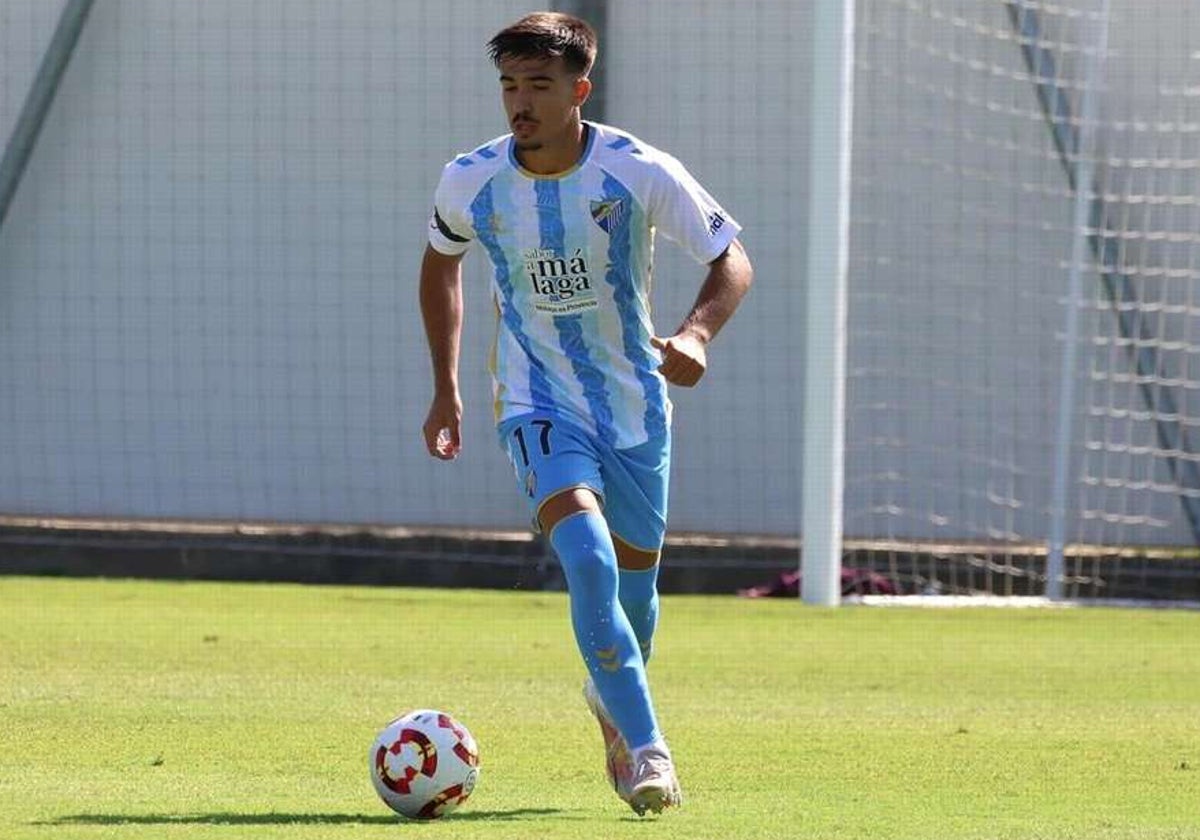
{"type": "Point", "coordinates": [638, 576]}
{"type": "Point", "coordinates": [559, 469]}
{"type": "Point", "coordinates": [636, 487]}
{"type": "Point", "coordinates": [579, 534]}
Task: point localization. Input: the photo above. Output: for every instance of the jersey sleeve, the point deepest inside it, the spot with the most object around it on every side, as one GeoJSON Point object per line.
{"type": "Point", "coordinates": [684, 212]}
{"type": "Point", "coordinates": [450, 232]}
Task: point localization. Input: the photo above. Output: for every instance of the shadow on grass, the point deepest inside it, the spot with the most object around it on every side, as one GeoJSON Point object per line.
{"type": "Point", "coordinates": [293, 819]}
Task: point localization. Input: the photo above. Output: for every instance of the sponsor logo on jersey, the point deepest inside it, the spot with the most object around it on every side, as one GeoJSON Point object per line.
{"type": "Point", "coordinates": [608, 214]}
{"type": "Point", "coordinates": [561, 284]}
{"type": "Point", "coordinates": [715, 222]}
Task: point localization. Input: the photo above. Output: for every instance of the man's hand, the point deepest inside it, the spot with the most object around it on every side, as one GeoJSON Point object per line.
{"type": "Point", "coordinates": [684, 358]}
{"type": "Point", "coordinates": [442, 427]}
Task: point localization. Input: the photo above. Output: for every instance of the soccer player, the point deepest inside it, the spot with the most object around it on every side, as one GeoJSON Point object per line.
{"type": "Point", "coordinates": [567, 210]}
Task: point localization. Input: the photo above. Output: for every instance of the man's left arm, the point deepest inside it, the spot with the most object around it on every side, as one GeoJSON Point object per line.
{"type": "Point", "coordinates": [685, 354]}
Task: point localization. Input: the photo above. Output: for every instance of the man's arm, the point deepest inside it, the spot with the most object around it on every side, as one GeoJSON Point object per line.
{"type": "Point", "coordinates": [442, 311]}
{"type": "Point", "coordinates": [684, 354]}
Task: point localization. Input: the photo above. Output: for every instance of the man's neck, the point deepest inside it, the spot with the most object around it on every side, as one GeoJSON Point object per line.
{"type": "Point", "coordinates": [552, 160]}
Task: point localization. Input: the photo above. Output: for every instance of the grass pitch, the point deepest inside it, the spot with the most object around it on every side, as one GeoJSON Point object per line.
{"type": "Point", "coordinates": [190, 710]}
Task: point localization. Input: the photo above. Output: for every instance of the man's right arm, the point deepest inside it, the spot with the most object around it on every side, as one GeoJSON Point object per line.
{"type": "Point", "coordinates": [442, 312]}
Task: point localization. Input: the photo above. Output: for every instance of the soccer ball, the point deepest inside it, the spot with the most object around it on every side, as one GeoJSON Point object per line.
{"type": "Point", "coordinates": [424, 764]}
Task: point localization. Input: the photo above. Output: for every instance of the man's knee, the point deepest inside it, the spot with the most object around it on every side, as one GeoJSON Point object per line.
{"type": "Point", "coordinates": [565, 503]}
{"type": "Point", "coordinates": [633, 559]}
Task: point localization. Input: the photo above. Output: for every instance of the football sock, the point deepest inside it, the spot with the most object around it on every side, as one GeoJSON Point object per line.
{"type": "Point", "coordinates": [605, 638]}
{"type": "Point", "coordinates": [639, 600]}
{"type": "Point", "coordinates": [658, 745]}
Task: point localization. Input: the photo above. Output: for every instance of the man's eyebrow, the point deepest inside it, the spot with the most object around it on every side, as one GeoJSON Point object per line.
{"type": "Point", "coordinates": [539, 78]}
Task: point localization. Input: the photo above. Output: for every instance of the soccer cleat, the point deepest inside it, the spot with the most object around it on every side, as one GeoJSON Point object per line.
{"type": "Point", "coordinates": [618, 763]}
{"type": "Point", "coordinates": [655, 785]}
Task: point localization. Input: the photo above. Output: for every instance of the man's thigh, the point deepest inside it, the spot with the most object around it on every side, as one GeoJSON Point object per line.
{"type": "Point", "coordinates": [549, 456]}
{"type": "Point", "coordinates": [636, 482]}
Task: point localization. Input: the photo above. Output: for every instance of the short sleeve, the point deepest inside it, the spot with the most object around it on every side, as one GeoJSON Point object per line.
{"type": "Point", "coordinates": [449, 231]}
{"type": "Point", "coordinates": [685, 213]}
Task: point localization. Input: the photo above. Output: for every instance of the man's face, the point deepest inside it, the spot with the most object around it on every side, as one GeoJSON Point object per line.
{"type": "Point", "coordinates": [539, 97]}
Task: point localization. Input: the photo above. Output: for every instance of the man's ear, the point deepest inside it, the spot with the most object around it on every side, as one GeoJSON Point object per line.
{"type": "Point", "coordinates": [583, 89]}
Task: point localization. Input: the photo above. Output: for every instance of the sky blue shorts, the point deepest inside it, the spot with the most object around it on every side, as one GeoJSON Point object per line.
{"type": "Point", "coordinates": [551, 454]}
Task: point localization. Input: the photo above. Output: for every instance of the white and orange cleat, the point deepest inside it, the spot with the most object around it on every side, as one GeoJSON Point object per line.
{"type": "Point", "coordinates": [655, 785]}
{"type": "Point", "coordinates": [618, 763]}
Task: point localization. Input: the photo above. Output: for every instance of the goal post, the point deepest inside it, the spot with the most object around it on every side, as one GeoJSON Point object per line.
{"type": "Point", "coordinates": [825, 321]}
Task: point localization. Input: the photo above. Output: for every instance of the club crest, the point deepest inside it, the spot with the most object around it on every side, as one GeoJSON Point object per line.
{"type": "Point", "coordinates": [608, 214]}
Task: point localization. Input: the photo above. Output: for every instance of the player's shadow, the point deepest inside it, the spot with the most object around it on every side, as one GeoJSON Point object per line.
{"type": "Point", "coordinates": [227, 818]}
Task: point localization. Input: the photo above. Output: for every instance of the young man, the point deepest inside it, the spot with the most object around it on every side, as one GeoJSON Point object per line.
{"type": "Point", "coordinates": [566, 211]}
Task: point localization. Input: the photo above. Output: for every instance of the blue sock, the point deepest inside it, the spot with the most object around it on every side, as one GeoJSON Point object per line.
{"type": "Point", "coordinates": [639, 600]}
{"type": "Point", "coordinates": [603, 633]}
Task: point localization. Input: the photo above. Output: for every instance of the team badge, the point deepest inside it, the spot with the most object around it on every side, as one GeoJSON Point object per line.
{"type": "Point", "coordinates": [608, 214]}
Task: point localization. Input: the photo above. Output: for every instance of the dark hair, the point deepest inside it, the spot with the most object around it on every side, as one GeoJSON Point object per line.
{"type": "Point", "coordinates": [547, 35]}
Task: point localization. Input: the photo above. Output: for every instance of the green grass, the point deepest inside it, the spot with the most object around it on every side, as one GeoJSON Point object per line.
{"type": "Point", "coordinates": [189, 710]}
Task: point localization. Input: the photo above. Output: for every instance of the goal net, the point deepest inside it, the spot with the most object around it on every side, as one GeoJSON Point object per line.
{"type": "Point", "coordinates": [1002, 151]}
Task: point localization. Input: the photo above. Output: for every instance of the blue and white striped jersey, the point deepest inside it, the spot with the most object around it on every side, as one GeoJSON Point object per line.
{"type": "Point", "coordinates": [572, 255]}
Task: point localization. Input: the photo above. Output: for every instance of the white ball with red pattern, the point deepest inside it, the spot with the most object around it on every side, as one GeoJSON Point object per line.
{"type": "Point", "coordinates": [424, 764]}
